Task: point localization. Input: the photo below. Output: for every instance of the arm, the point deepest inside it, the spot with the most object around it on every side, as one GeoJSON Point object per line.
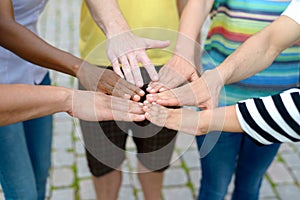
{"type": "Point", "coordinates": [27, 45]}
{"type": "Point", "coordinates": [123, 47]}
{"type": "Point", "coordinates": [260, 50]}
{"type": "Point", "coordinates": [24, 102]}
{"type": "Point", "coordinates": [181, 67]}
{"type": "Point", "coordinates": [256, 54]}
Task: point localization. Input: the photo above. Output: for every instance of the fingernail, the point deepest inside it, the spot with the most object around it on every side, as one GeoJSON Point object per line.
{"type": "Point", "coordinates": [141, 104]}
{"type": "Point", "coordinates": [146, 101]}
{"type": "Point", "coordinates": [161, 89]}
{"type": "Point", "coordinates": [136, 96]}
{"type": "Point", "coordinates": [142, 93]}
{"type": "Point", "coordinates": [127, 96]}
{"type": "Point", "coordinates": [153, 103]}
{"type": "Point", "coordinates": [152, 90]}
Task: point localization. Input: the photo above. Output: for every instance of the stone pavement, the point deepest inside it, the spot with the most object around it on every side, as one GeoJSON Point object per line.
{"type": "Point", "coordinates": [70, 177]}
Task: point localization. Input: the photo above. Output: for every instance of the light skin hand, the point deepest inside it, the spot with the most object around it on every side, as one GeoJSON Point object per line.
{"type": "Point", "coordinates": [203, 92]}
{"type": "Point", "coordinates": [193, 122]}
{"type": "Point", "coordinates": [98, 79]}
{"type": "Point", "coordinates": [96, 106]}
{"type": "Point", "coordinates": [130, 50]}
{"type": "Point", "coordinates": [177, 119]}
{"type": "Point", "coordinates": [180, 68]}
{"type": "Point", "coordinates": [176, 72]}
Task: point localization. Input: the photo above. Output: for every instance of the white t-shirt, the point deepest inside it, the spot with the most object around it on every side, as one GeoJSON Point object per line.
{"type": "Point", "coordinates": [14, 69]}
{"type": "Point", "coordinates": [293, 11]}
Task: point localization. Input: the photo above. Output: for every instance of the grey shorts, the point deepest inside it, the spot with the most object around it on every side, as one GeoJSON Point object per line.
{"type": "Point", "coordinates": [105, 143]}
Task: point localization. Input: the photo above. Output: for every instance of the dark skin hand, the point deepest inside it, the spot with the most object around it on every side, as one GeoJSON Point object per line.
{"type": "Point", "coordinates": [39, 52]}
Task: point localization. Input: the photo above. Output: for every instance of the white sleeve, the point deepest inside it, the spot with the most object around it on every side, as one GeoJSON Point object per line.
{"type": "Point", "coordinates": [271, 119]}
{"type": "Point", "coordinates": [293, 11]}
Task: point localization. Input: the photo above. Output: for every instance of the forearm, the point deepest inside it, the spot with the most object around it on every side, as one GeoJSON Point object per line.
{"type": "Point", "coordinates": [192, 19]}
{"type": "Point", "coordinates": [108, 17]}
{"type": "Point", "coordinates": [219, 119]}
{"type": "Point", "coordinates": [24, 102]}
{"type": "Point", "coordinates": [27, 45]}
{"type": "Point", "coordinates": [260, 50]}
{"type": "Point", "coordinates": [30, 47]}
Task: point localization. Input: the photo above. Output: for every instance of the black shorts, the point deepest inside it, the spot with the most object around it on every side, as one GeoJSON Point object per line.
{"type": "Point", "coordinates": [105, 143]}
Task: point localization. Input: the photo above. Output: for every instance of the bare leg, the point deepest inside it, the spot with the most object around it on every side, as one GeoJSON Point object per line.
{"type": "Point", "coordinates": [107, 186]}
{"type": "Point", "coordinates": [151, 183]}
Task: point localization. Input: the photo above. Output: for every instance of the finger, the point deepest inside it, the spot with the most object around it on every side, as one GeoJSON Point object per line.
{"type": "Point", "coordinates": [126, 105]}
{"type": "Point", "coordinates": [126, 69]}
{"type": "Point", "coordinates": [131, 89]}
{"type": "Point", "coordinates": [143, 58]}
{"type": "Point", "coordinates": [150, 44]}
{"type": "Point", "coordinates": [135, 70]}
{"type": "Point", "coordinates": [194, 77]}
{"type": "Point", "coordinates": [117, 69]}
{"type": "Point", "coordinates": [123, 116]}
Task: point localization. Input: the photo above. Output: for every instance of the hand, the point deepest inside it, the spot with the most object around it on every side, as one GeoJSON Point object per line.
{"type": "Point", "coordinates": [96, 106]}
{"type": "Point", "coordinates": [176, 72]}
{"type": "Point", "coordinates": [129, 50]}
{"type": "Point", "coordinates": [185, 120]}
{"type": "Point", "coordinates": [98, 79]}
{"type": "Point", "coordinates": [203, 92]}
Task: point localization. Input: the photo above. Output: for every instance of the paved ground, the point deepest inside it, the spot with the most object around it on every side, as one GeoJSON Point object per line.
{"type": "Point", "coordinates": [70, 177]}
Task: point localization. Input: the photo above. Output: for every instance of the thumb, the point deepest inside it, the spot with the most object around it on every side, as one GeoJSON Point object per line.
{"type": "Point", "coordinates": [150, 44]}
{"type": "Point", "coordinates": [193, 77]}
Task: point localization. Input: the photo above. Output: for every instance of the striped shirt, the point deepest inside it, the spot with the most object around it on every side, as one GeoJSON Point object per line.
{"type": "Point", "coordinates": [234, 21]}
{"type": "Point", "coordinates": [271, 119]}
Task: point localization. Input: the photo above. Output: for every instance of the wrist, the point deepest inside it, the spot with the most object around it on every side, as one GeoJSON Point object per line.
{"type": "Point", "coordinates": [114, 28]}
{"type": "Point", "coordinates": [204, 119]}
{"type": "Point", "coordinates": [65, 99]}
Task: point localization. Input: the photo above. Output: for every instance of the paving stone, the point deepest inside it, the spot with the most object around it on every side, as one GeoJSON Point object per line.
{"type": "Point", "coordinates": [286, 148]}
{"type": "Point", "coordinates": [79, 147]}
{"type": "Point", "coordinates": [292, 160]}
{"type": "Point", "coordinates": [178, 193]}
{"type": "Point", "coordinates": [231, 185]}
{"type": "Point", "coordinates": [279, 173]}
{"type": "Point", "coordinates": [63, 194]}
{"type": "Point", "coordinates": [288, 192]}
{"type": "Point", "coordinates": [62, 177]}
{"type": "Point", "coordinates": [175, 160]}
{"type": "Point", "coordinates": [126, 193]}
{"type": "Point", "coordinates": [297, 146]}
{"type": "Point", "coordinates": [62, 142]}
{"type": "Point", "coordinates": [63, 126]}
{"type": "Point", "coordinates": [185, 141]}
{"type": "Point", "coordinates": [87, 190]}
{"type": "Point", "coordinates": [48, 188]}
{"type": "Point", "coordinates": [195, 176]}
{"type": "Point", "coordinates": [132, 161]}
{"type": "Point", "coordinates": [140, 195]}
{"type": "Point", "coordinates": [296, 173]}
{"type": "Point", "coordinates": [129, 142]}
{"type": "Point", "coordinates": [127, 179]}
{"type": "Point", "coordinates": [191, 159]}
{"type": "Point", "coordinates": [266, 190]}
{"type": "Point", "coordinates": [62, 159]}
{"type": "Point", "coordinates": [135, 181]}
{"type": "Point", "coordinates": [175, 177]}
{"type": "Point", "coordinates": [83, 170]}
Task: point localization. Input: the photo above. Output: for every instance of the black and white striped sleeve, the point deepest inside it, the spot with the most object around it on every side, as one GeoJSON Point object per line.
{"type": "Point", "coordinates": [272, 119]}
